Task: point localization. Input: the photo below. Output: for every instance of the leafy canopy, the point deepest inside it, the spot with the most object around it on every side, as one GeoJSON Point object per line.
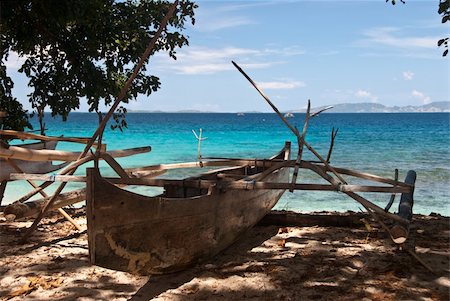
{"type": "Point", "coordinates": [83, 49]}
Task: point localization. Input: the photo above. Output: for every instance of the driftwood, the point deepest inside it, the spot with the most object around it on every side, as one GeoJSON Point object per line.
{"type": "Point", "coordinates": [21, 210]}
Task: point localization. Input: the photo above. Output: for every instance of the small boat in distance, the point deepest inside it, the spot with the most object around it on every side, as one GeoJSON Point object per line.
{"type": "Point", "coordinates": [182, 226]}
{"type": "Point", "coordinates": [240, 114]}
{"type": "Point", "coordinates": [289, 115]}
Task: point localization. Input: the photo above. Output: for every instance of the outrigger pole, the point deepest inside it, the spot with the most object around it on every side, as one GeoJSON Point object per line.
{"type": "Point", "coordinates": [399, 232]}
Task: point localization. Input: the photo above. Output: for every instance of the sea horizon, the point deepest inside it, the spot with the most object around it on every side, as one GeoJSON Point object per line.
{"type": "Point", "coordinates": [369, 142]}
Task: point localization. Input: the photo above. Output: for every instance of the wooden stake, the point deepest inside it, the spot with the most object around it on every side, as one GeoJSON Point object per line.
{"type": "Point", "coordinates": [391, 201]}
{"type": "Point", "coordinates": [333, 135]}
{"type": "Point", "coordinates": [105, 120]}
{"type": "Point", "coordinates": [199, 139]}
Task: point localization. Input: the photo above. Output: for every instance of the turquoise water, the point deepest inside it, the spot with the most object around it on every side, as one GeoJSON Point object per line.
{"type": "Point", "coordinates": [373, 143]}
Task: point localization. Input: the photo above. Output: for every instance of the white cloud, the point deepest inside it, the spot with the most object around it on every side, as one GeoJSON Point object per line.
{"type": "Point", "coordinates": [421, 96]}
{"type": "Point", "coordinates": [223, 23]}
{"type": "Point", "coordinates": [14, 61]}
{"type": "Point", "coordinates": [289, 84]}
{"type": "Point", "coordinates": [394, 37]}
{"type": "Point", "coordinates": [216, 18]}
{"type": "Point", "coordinates": [366, 95]}
{"type": "Point", "coordinates": [204, 60]}
{"type": "Point", "coordinates": [408, 75]}
{"type": "Point", "coordinates": [286, 51]}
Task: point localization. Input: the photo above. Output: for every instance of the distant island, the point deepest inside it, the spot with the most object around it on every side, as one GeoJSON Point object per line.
{"type": "Point", "coordinates": [441, 106]}
{"type": "Point", "coordinates": [365, 107]}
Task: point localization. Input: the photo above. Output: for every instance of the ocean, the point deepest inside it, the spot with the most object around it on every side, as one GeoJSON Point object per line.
{"type": "Point", "coordinates": [375, 143]}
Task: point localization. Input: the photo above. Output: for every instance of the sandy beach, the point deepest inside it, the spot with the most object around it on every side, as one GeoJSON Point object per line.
{"type": "Point", "coordinates": [269, 262]}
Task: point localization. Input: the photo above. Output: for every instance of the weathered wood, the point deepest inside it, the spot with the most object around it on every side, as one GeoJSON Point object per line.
{"type": "Point", "coordinates": [246, 183]}
{"type": "Point", "coordinates": [391, 200]}
{"type": "Point", "coordinates": [114, 165]}
{"type": "Point", "coordinates": [407, 199]}
{"type": "Point", "coordinates": [321, 111]}
{"type": "Point", "coordinates": [400, 232]}
{"type": "Point", "coordinates": [300, 141]}
{"type": "Point", "coordinates": [20, 153]}
{"type": "Point", "coordinates": [294, 131]}
{"type": "Point", "coordinates": [370, 177]}
{"type": "Point", "coordinates": [367, 204]}
{"type": "Point", "coordinates": [330, 149]}
{"type": "Point", "coordinates": [68, 170]}
{"type": "Point", "coordinates": [31, 167]}
{"type": "Point", "coordinates": [34, 185]}
{"type": "Point", "coordinates": [169, 232]}
{"type": "Point", "coordinates": [21, 210]}
{"type": "Point", "coordinates": [26, 135]}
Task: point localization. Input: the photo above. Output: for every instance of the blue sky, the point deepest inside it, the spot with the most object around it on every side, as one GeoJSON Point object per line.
{"type": "Point", "coordinates": [327, 51]}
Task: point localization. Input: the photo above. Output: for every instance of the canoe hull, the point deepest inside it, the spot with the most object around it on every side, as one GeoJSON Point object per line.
{"type": "Point", "coordinates": [156, 235]}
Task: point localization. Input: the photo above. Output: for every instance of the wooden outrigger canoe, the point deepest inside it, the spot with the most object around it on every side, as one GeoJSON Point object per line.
{"type": "Point", "coordinates": [30, 167]}
{"type": "Point", "coordinates": [183, 225]}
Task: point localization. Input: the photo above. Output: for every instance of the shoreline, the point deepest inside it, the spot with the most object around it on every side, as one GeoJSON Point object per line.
{"type": "Point", "coordinates": [329, 256]}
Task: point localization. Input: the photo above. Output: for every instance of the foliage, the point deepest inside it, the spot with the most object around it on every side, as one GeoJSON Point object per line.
{"type": "Point", "coordinates": [86, 48]}
{"type": "Point", "coordinates": [17, 117]}
{"type": "Point", "coordinates": [444, 10]}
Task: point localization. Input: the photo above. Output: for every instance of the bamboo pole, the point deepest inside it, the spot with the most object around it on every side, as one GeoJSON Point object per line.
{"type": "Point", "coordinates": [105, 120]}
{"type": "Point", "coordinates": [26, 154]}
{"type": "Point", "coordinates": [248, 183]}
{"type": "Point", "coordinates": [310, 148]}
{"type": "Point", "coordinates": [199, 143]}
{"type": "Point", "coordinates": [27, 135]}
{"type": "Point", "coordinates": [367, 204]}
{"type": "Point", "coordinates": [34, 185]}
{"type": "Point", "coordinates": [49, 180]}
{"type": "Point", "coordinates": [368, 176]}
